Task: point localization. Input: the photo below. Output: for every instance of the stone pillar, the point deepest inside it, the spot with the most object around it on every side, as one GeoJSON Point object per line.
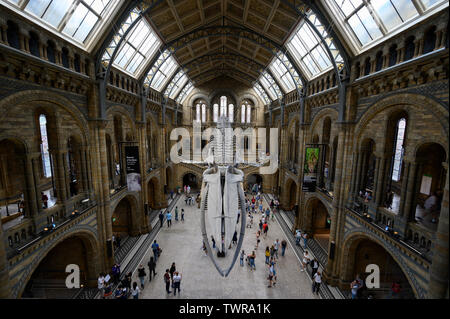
{"type": "Point", "coordinates": [60, 177]}
{"type": "Point", "coordinates": [83, 177]}
{"type": "Point", "coordinates": [31, 206]}
{"type": "Point", "coordinates": [380, 181]}
{"type": "Point", "coordinates": [4, 268]}
{"type": "Point", "coordinates": [358, 173]}
{"type": "Point", "coordinates": [375, 176]}
{"type": "Point", "coordinates": [404, 187]}
{"type": "Point", "coordinates": [438, 285]}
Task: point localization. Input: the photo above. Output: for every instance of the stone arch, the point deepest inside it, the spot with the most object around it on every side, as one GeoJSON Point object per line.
{"type": "Point", "coordinates": [87, 236]}
{"type": "Point", "coordinates": [219, 92]}
{"type": "Point", "coordinates": [123, 112]}
{"type": "Point", "coordinates": [347, 264]}
{"type": "Point", "coordinates": [326, 112]}
{"type": "Point", "coordinates": [196, 96]}
{"type": "Point", "coordinates": [127, 214]}
{"type": "Point", "coordinates": [33, 96]}
{"type": "Point", "coordinates": [290, 194]}
{"type": "Point", "coordinates": [153, 193]}
{"type": "Point", "coordinates": [249, 180]}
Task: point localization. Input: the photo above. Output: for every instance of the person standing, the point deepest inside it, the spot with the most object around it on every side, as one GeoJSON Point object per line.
{"type": "Point", "coordinates": [298, 236]}
{"type": "Point", "coordinates": [155, 248]}
{"type": "Point", "coordinates": [317, 280]}
{"type": "Point", "coordinates": [241, 258]}
{"type": "Point", "coordinates": [305, 260]}
{"type": "Point", "coordinates": [161, 218]}
{"type": "Point", "coordinates": [252, 258]}
{"type": "Point", "coordinates": [258, 234]}
{"type": "Point", "coordinates": [270, 276]}
{"type": "Point", "coordinates": [101, 283]}
{"type": "Point", "coordinates": [176, 283]}
{"type": "Point", "coordinates": [354, 286]}
{"type": "Point", "coordinates": [213, 242]}
{"type": "Point", "coordinates": [276, 246]}
{"type": "Point", "coordinates": [283, 247]}
{"type": "Point", "coordinates": [305, 240]}
{"type": "Point", "coordinates": [182, 214]}
{"type": "Point", "coordinates": [44, 200]}
{"type": "Point", "coordinates": [267, 254]}
{"type": "Point", "coordinates": [176, 213]}
{"type": "Point", "coordinates": [135, 291]}
{"type": "Point", "coordinates": [314, 266]}
{"type": "Point", "coordinates": [173, 268]}
{"type": "Point", "coordinates": [167, 281]}
{"type": "Point", "coordinates": [169, 219]}
{"type": "Point", "coordinates": [151, 268]}
{"type": "Point", "coordinates": [141, 275]}
{"type": "Point", "coordinates": [265, 229]}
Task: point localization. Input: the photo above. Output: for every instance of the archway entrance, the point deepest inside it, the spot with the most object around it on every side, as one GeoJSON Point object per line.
{"type": "Point", "coordinates": [48, 279]}
{"type": "Point", "coordinates": [191, 180]}
{"type": "Point", "coordinates": [253, 183]}
{"type": "Point", "coordinates": [292, 195]}
{"type": "Point", "coordinates": [364, 252]}
{"type": "Point", "coordinates": [121, 218]}
{"type": "Point", "coordinates": [320, 222]}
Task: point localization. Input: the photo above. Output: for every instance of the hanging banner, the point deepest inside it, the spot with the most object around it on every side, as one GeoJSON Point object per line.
{"type": "Point", "coordinates": [311, 167]}
{"type": "Point", "coordinates": [132, 168]}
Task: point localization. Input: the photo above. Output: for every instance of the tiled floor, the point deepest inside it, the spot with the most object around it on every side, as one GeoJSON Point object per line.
{"type": "Point", "coordinates": [182, 244]}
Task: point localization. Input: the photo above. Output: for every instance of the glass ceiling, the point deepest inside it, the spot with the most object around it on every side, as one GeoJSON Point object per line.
{"type": "Point", "coordinates": [283, 75]}
{"type": "Point", "coordinates": [309, 52]}
{"type": "Point", "coordinates": [367, 21]}
{"type": "Point", "coordinates": [271, 86]}
{"type": "Point", "coordinates": [137, 48]}
{"type": "Point", "coordinates": [262, 94]}
{"type": "Point", "coordinates": [174, 87]}
{"type": "Point", "coordinates": [73, 19]}
{"type": "Point", "coordinates": [185, 92]}
{"type": "Point", "coordinates": [161, 71]}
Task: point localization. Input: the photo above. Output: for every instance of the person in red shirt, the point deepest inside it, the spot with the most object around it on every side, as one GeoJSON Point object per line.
{"type": "Point", "coordinates": [167, 280]}
{"type": "Point", "coordinates": [395, 289]}
{"type": "Point", "coordinates": [265, 229]}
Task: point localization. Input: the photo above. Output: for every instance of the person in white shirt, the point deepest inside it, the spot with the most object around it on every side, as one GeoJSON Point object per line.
{"type": "Point", "coordinates": [135, 291]}
{"type": "Point", "coordinates": [276, 245]}
{"type": "Point", "coordinates": [317, 280]}
{"type": "Point", "coordinates": [305, 260]}
{"type": "Point", "coordinates": [101, 283]}
{"type": "Point", "coordinates": [176, 283]}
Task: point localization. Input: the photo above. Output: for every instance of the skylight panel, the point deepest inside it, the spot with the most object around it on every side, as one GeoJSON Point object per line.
{"type": "Point", "coordinates": [369, 22]}
{"type": "Point", "coordinates": [137, 48]}
{"type": "Point", "coordinates": [262, 94]}
{"type": "Point", "coordinates": [185, 92]}
{"type": "Point", "coordinates": [74, 19]}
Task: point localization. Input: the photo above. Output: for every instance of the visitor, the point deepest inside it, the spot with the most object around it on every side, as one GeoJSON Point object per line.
{"type": "Point", "coordinates": [258, 240]}
{"type": "Point", "coordinates": [151, 268]}
{"type": "Point", "coordinates": [251, 259]}
{"type": "Point", "coordinates": [305, 260]}
{"type": "Point", "coordinates": [115, 273]}
{"type": "Point", "coordinates": [298, 236]}
{"type": "Point", "coordinates": [101, 283]}
{"type": "Point", "coordinates": [265, 229]}
{"type": "Point", "coordinates": [141, 275]}
{"type": "Point", "coordinates": [317, 280]}
{"type": "Point", "coordinates": [126, 281]}
{"type": "Point", "coordinates": [167, 281]}
{"type": "Point", "coordinates": [171, 194]}
{"type": "Point", "coordinates": [213, 242]}
{"type": "Point", "coordinates": [182, 214]}
{"type": "Point", "coordinates": [135, 291]}
{"type": "Point", "coordinates": [155, 248]}
{"type": "Point", "coordinates": [234, 240]}
{"type": "Point", "coordinates": [107, 291]}
{"type": "Point", "coordinates": [198, 200]}
{"type": "Point", "coordinates": [354, 286]}
{"type": "Point", "coordinates": [44, 200]}
{"type": "Point", "coordinates": [205, 250]}
{"type": "Point", "coordinates": [173, 268]}
{"type": "Point", "coordinates": [161, 219]}
{"type": "Point", "coordinates": [176, 283]}
{"type": "Point", "coordinates": [267, 254]}
{"type": "Point", "coordinates": [118, 239]}
{"type": "Point", "coordinates": [305, 240]}
{"type": "Point", "coordinates": [283, 247]}
{"type": "Point", "coordinates": [270, 276]}
{"type": "Point", "coordinates": [176, 213]}
{"type": "Point", "coordinates": [241, 258]}
{"type": "Point", "coordinates": [314, 266]}
{"type": "Point", "coordinates": [169, 219]}
{"type": "Point", "coordinates": [395, 289]}
{"type": "Point", "coordinates": [276, 246]}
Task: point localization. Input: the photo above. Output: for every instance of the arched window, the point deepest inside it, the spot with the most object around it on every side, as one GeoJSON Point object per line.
{"type": "Point", "coordinates": [12, 33]}
{"type": "Point", "coordinates": [197, 113]}
{"type": "Point", "coordinates": [231, 112]}
{"type": "Point", "coordinates": [215, 112]}
{"type": "Point", "coordinates": [249, 114]}
{"type": "Point", "coordinates": [204, 113]}
{"type": "Point", "coordinates": [44, 146]}
{"type": "Point", "coordinates": [34, 44]}
{"type": "Point", "coordinates": [243, 114]}
{"type": "Point", "coordinates": [51, 52]}
{"type": "Point", "coordinates": [398, 150]}
{"type": "Point", "coordinates": [65, 57]}
{"type": "Point", "coordinates": [410, 47]}
{"type": "Point", "coordinates": [379, 61]}
{"type": "Point", "coordinates": [429, 40]}
{"type": "Point", "coordinates": [223, 106]}
{"type": "Point", "coordinates": [367, 67]}
{"type": "Point", "coordinates": [392, 55]}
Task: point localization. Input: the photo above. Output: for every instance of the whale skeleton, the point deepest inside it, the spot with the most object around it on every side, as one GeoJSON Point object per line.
{"type": "Point", "coordinates": [222, 196]}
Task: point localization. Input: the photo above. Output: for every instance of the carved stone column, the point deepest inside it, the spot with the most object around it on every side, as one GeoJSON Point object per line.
{"type": "Point", "coordinates": [438, 286]}
{"type": "Point", "coordinates": [4, 268]}
{"type": "Point", "coordinates": [31, 206]}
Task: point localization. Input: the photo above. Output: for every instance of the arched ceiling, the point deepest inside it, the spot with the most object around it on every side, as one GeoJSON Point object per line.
{"type": "Point", "coordinates": [272, 19]}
